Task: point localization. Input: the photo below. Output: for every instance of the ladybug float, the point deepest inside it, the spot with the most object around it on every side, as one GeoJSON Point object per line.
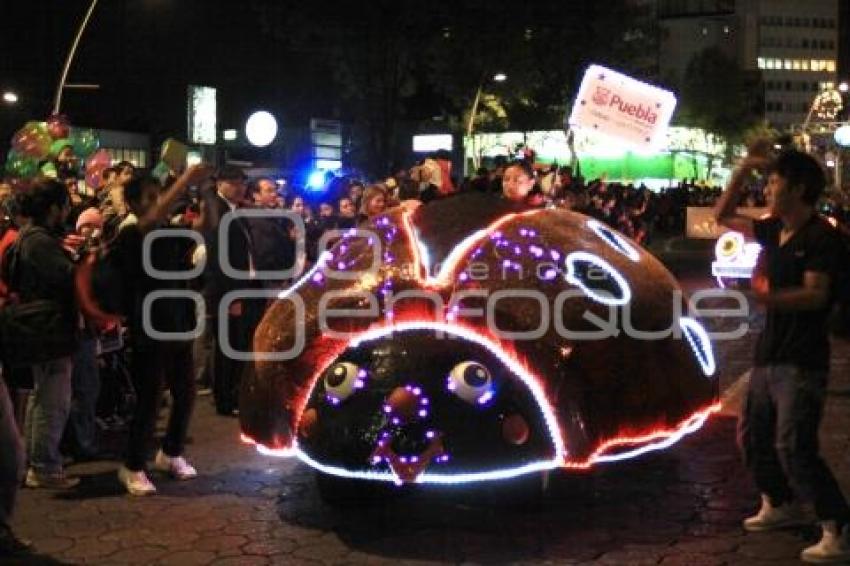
{"type": "Point", "coordinates": [467, 341]}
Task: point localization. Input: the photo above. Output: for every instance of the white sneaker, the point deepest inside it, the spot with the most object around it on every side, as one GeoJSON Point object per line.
{"type": "Point", "coordinates": [770, 518]}
{"type": "Point", "coordinates": [137, 483]}
{"type": "Point", "coordinates": [833, 546]}
{"type": "Point", "coordinates": [177, 467]}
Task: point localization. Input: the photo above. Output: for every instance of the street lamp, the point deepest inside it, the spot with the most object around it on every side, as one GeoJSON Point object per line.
{"type": "Point", "coordinates": [57, 101]}
{"type": "Point", "coordinates": [843, 87]}
{"type": "Point", "coordinates": [10, 97]}
{"type": "Point", "coordinates": [499, 78]}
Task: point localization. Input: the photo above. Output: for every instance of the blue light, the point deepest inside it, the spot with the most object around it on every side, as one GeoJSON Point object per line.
{"type": "Point", "coordinates": [316, 181]}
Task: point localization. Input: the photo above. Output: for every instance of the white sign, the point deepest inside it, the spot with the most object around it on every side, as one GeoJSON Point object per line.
{"type": "Point", "coordinates": [432, 142]}
{"type": "Point", "coordinates": [700, 221]}
{"type": "Point", "coordinates": [617, 106]}
{"type": "Point", "coordinates": [202, 114]}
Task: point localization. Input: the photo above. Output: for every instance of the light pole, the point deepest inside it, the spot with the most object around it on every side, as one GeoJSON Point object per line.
{"type": "Point", "coordinates": [499, 78]}
{"type": "Point", "coordinates": [57, 101]}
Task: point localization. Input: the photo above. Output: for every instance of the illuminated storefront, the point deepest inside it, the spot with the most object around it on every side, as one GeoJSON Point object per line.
{"type": "Point", "coordinates": [687, 153]}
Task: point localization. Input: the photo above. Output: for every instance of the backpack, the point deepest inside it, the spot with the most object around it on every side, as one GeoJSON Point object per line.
{"type": "Point", "coordinates": [36, 331]}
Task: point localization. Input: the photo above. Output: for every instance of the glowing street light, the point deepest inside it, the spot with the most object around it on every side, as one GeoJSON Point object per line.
{"type": "Point", "coordinates": [500, 77]}
{"type": "Point", "coordinates": [261, 128]}
{"type": "Point", "coordinates": [10, 97]}
{"type": "Point", "coordinates": [843, 87]}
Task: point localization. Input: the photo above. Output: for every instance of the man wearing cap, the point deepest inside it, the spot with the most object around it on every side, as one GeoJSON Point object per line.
{"type": "Point", "coordinates": [229, 267]}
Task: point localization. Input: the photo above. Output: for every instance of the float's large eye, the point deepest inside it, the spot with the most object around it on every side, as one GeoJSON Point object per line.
{"type": "Point", "coordinates": [342, 380]}
{"type": "Point", "coordinates": [471, 382]}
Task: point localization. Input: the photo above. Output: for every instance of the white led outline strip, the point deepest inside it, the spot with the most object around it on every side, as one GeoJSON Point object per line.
{"type": "Point", "coordinates": [624, 248]}
{"type": "Point", "coordinates": [688, 428]}
{"type": "Point", "coordinates": [451, 262]}
{"type": "Point", "coordinates": [706, 358]}
{"type": "Point", "coordinates": [320, 263]}
{"type": "Point", "coordinates": [599, 262]}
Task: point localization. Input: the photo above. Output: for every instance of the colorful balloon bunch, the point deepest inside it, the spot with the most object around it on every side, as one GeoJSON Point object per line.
{"type": "Point", "coordinates": [38, 147]}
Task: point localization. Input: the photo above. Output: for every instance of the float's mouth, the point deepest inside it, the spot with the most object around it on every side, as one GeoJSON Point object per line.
{"type": "Point", "coordinates": [408, 467]}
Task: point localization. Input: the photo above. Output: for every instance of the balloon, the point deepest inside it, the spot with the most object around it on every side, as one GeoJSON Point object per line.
{"type": "Point", "coordinates": [94, 178]}
{"type": "Point", "coordinates": [59, 145]}
{"type": "Point", "coordinates": [85, 142]}
{"type": "Point", "coordinates": [58, 126]}
{"type": "Point", "coordinates": [32, 140]}
{"type": "Point", "coordinates": [95, 164]}
{"type": "Point", "coordinates": [19, 165]}
{"type": "Point", "coordinates": [100, 159]}
{"type": "Point", "coordinates": [49, 170]}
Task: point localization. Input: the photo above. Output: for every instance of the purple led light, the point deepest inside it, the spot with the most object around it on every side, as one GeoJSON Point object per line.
{"type": "Point", "coordinates": [523, 232]}
{"type": "Point", "coordinates": [555, 255]}
{"type": "Point", "coordinates": [340, 266]}
{"type": "Point", "coordinates": [517, 250]}
{"type": "Point", "coordinates": [424, 401]}
{"type": "Point", "coordinates": [423, 413]}
{"type": "Point", "coordinates": [361, 373]}
{"type": "Point", "coordinates": [550, 274]}
{"type": "Point", "coordinates": [388, 409]}
{"type": "Point", "coordinates": [318, 277]}
{"type": "Point", "coordinates": [506, 263]}
{"type": "Point", "coordinates": [430, 434]}
{"type": "Point", "coordinates": [464, 276]}
{"type": "Point", "coordinates": [396, 421]}
{"type": "Point", "coordinates": [417, 391]}
{"type": "Point", "coordinates": [485, 398]}
{"type": "Point", "coordinates": [536, 251]}
{"type": "Point", "coordinates": [343, 248]}
{"type": "Point", "coordinates": [359, 384]}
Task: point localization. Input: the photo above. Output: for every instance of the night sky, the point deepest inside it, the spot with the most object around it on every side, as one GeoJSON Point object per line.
{"type": "Point", "coordinates": [143, 53]}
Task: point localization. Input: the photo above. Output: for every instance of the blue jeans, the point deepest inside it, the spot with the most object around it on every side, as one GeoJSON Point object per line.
{"type": "Point", "coordinates": [11, 457]}
{"type": "Point", "coordinates": [85, 385]}
{"type": "Point", "coordinates": [47, 413]}
{"type": "Point", "coordinates": [778, 434]}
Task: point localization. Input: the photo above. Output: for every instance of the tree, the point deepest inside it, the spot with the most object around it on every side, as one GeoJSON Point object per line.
{"type": "Point", "coordinates": [394, 62]}
{"type": "Point", "coordinates": [720, 97]}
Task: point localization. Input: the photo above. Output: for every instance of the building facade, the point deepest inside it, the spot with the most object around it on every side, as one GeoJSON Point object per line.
{"type": "Point", "coordinates": [793, 44]}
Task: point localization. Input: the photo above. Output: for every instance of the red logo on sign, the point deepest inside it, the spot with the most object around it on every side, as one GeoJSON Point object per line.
{"type": "Point", "coordinates": [601, 95]}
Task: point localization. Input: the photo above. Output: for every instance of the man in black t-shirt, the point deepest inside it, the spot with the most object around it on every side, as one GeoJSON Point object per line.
{"type": "Point", "coordinates": [794, 278]}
